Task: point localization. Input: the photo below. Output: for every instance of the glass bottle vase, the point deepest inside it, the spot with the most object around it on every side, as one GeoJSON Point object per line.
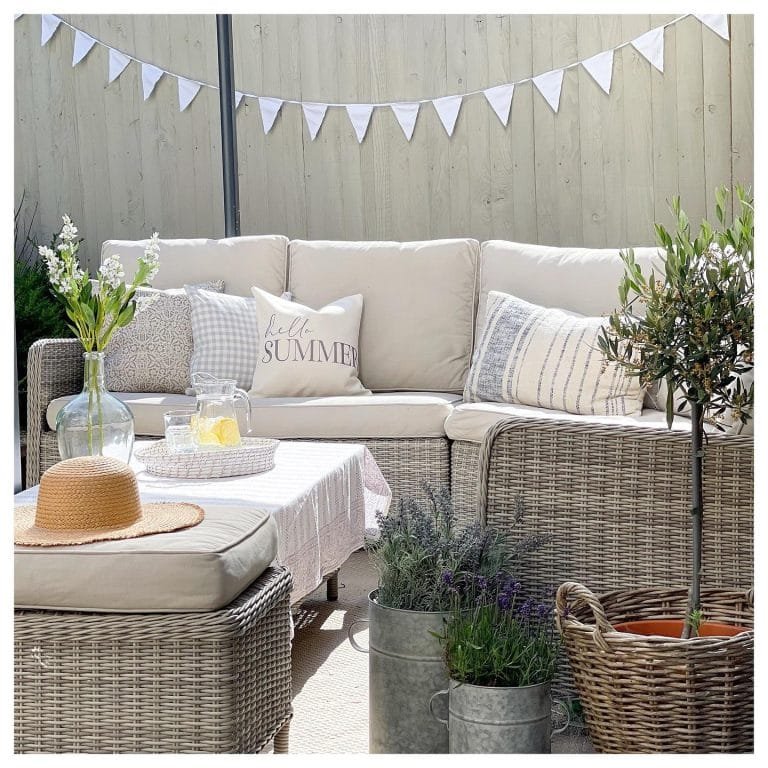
{"type": "Point", "coordinates": [95, 423]}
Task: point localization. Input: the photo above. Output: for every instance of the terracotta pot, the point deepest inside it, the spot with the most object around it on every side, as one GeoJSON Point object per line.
{"type": "Point", "coordinates": [674, 628]}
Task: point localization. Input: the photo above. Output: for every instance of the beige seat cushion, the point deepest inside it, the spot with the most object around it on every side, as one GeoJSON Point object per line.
{"type": "Point", "coordinates": [470, 421]}
{"type": "Point", "coordinates": [202, 568]}
{"type": "Point", "coordinates": [418, 305]}
{"type": "Point", "coordinates": [239, 261]}
{"type": "Point", "coordinates": [384, 414]}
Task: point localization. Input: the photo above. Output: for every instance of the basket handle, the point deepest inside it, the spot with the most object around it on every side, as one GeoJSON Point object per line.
{"type": "Point", "coordinates": [577, 594]}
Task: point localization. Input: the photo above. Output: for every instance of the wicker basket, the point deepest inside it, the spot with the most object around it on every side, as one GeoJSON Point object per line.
{"type": "Point", "coordinates": [654, 694]}
{"type": "Point", "coordinates": [253, 456]}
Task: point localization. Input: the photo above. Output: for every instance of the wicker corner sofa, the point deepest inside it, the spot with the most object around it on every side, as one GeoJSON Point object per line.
{"type": "Point", "coordinates": [609, 494]}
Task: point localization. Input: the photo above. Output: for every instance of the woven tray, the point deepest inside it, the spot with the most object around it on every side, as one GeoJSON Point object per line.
{"type": "Point", "coordinates": [253, 456]}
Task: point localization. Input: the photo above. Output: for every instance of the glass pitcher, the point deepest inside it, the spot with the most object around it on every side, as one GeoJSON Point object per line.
{"type": "Point", "coordinates": [216, 421]}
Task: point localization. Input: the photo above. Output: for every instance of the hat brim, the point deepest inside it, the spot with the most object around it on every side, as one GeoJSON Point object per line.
{"type": "Point", "coordinates": [155, 518]}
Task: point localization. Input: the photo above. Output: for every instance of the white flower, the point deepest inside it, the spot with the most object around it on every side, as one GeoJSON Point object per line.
{"type": "Point", "coordinates": [111, 272]}
{"type": "Point", "coordinates": [151, 257]}
{"type": "Point", "coordinates": [69, 230]}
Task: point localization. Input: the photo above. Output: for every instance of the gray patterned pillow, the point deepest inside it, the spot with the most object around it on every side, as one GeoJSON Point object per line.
{"type": "Point", "coordinates": [153, 353]}
{"type": "Point", "coordinates": [225, 331]}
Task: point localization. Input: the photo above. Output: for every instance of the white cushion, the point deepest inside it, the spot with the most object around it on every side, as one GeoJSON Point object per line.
{"type": "Point", "coordinates": [383, 414]}
{"type": "Point", "coordinates": [418, 305]}
{"type": "Point", "coordinates": [239, 261]}
{"type": "Point", "coordinates": [583, 280]}
{"type": "Point", "coordinates": [202, 568]}
{"type": "Point", "coordinates": [548, 358]}
{"type": "Point", "coordinates": [305, 352]}
{"type": "Point", "coordinates": [470, 421]}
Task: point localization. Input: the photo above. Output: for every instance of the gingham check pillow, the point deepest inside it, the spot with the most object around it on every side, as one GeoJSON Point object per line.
{"type": "Point", "coordinates": [225, 335]}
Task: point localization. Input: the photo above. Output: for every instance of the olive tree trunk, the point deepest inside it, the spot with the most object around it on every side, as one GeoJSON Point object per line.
{"type": "Point", "coordinates": [697, 514]}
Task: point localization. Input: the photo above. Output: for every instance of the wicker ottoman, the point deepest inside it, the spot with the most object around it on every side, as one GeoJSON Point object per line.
{"type": "Point", "coordinates": [216, 681]}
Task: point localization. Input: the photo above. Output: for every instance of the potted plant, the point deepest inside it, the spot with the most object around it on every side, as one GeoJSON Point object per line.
{"type": "Point", "coordinates": [95, 423]}
{"type": "Point", "coordinates": [422, 558]}
{"type": "Point", "coordinates": [696, 336]}
{"type": "Point", "coordinates": [501, 656]}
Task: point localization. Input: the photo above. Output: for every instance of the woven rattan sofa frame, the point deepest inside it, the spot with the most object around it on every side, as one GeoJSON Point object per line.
{"type": "Point", "coordinates": [55, 369]}
{"type": "Point", "coordinates": [613, 503]}
{"type": "Point", "coordinates": [188, 682]}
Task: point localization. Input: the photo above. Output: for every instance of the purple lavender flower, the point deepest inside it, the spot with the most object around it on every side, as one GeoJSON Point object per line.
{"type": "Point", "coordinates": [482, 583]}
{"type": "Point", "coordinates": [505, 601]}
{"type": "Point", "coordinates": [524, 611]}
{"type": "Point", "coordinates": [543, 610]}
{"type": "Point", "coordinates": [447, 578]}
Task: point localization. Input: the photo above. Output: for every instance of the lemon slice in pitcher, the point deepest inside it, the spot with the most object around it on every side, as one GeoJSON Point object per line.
{"type": "Point", "coordinates": [227, 431]}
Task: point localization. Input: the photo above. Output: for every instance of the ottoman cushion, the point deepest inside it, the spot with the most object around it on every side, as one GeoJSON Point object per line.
{"type": "Point", "coordinates": [202, 568]}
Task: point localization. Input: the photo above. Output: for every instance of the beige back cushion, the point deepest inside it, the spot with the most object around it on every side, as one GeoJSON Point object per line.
{"type": "Point", "coordinates": [239, 261]}
{"type": "Point", "coordinates": [583, 280]}
{"type": "Point", "coordinates": [418, 305]}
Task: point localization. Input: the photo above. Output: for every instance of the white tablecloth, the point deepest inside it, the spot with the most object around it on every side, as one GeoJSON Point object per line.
{"type": "Point", "coordinates": [323, 496]}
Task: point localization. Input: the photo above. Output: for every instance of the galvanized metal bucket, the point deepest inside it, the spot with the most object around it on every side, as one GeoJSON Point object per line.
{"type": "Point", "coordinates": [487, 720]}
{"type": "Point", "coordinates": [405, 666]}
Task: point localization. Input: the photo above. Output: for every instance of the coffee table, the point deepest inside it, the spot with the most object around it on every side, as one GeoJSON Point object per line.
{"type": "Point", "coordinates": [323, 497]}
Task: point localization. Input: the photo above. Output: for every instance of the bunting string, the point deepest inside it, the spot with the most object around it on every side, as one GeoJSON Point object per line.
{"type": "Point", "coordinates": [650, 45]}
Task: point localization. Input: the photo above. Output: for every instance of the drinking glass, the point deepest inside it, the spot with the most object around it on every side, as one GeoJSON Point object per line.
{"type": "Point", "coordinates": [180, 436]}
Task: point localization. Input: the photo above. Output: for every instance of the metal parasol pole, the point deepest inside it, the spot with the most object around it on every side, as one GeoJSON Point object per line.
{"type": "Point", "coordinates": [228, 130]}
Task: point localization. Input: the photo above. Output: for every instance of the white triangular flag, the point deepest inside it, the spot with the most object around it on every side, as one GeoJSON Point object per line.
{"type": "Point", "coordinates": [117, 63]}
{"type": "Point", "coordinates": [549, 85]}
{"type": "Point", "coordinates": [500, 99]}
{"type": "Point", "coordinates": [238, 98]}
{"type": "Point", "coordinates": [269, 109]}
{"type": "Point", "coordinates": [314, 115]}
{"type": "Point", "coordinates": [448, 110]}
{"type": "Point", "coordinates": [360, 117]}
{"type": "Point", "coordinates": [83, 44]}
{"type": "Point", "coordinates": [49, 24]}
{"type": "Point", "coordinates": [600, 66]}
{"type": "Point", "coordinates": [717, 22]}
{"type": "Point", "coordinates": [651, 45]}
{"type": "Point", "coordinates": [188, 89]}
{"type": "Point", "coordinates": [406, 114]}
{"type": "Point", "coordinates": [150, 74]}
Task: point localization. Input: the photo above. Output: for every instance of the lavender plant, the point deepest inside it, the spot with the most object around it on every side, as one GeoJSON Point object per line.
{"type": "Point", "coordinates": [426, 563]}
{"type": "Point", "coordinates": [504, 640]}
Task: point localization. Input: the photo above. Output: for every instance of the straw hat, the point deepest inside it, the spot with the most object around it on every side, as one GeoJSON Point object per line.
{"type": "Point", "coordinates": [94, 498]}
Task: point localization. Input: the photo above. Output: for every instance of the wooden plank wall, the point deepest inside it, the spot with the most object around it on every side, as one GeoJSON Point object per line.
{"type": "Point", "coordinates": [598, 173]}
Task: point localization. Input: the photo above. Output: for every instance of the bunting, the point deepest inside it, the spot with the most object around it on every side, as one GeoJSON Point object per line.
{"type": "Point", "coordinates": [600, 67]}
{"type": "Point", "coordinates": [269, 111]}
{"type": "Point", "coordinates": [406, 114]}
{"type": "Point", "coordinates": [500, 99]}
{"type": "Point", "coordinates": [188, 89]}
{"type": "Point", "coordinates": [549, 85]}
{"type": "Point", "coordinates": [651, 45]}
{"type": "Point", "coordinates": [360, 117]}
{"type": "Point", "coordinates": [83, 45]}
{"type": "Point", "coordinates": [314, 114]}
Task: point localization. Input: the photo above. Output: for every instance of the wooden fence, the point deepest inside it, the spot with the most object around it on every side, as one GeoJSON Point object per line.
{"type": "Point", "coordinates": [598, 173]}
